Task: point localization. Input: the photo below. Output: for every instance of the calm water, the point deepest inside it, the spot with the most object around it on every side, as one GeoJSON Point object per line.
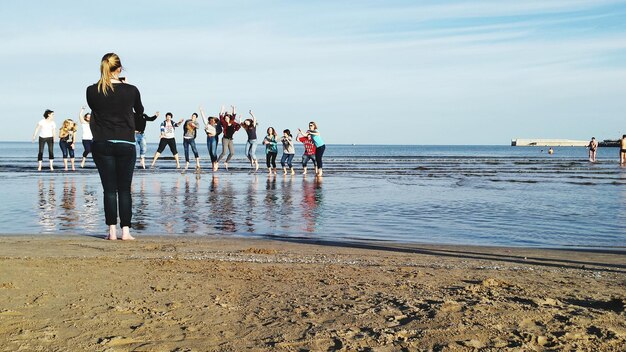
{"type": "Point", "coordinates": [486, 195]}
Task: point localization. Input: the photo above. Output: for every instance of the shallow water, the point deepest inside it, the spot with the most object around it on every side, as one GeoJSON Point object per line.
{"type": "Point", "coordinates": [484, 195]}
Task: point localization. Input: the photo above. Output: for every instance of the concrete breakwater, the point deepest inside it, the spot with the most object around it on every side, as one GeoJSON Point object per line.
{"type": "Point", "coordinates": [525, 142]}
{"type": "Point", "coordinates": [520, 142]}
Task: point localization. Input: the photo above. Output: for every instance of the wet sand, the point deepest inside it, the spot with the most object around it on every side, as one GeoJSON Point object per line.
{"type": "Point", "coordinates": [220, 294]}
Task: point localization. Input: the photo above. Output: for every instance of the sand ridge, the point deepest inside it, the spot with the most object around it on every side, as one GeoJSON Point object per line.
{"type": "Point", "coordinates": [220, 294]}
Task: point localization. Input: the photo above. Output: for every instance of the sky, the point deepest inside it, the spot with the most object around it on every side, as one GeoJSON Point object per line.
{"type": "Point", "coordinates": [368, 72]}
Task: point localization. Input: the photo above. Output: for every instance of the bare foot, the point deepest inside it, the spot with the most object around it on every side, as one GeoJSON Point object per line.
{"type": "Point", "coordinates": [226, 166]}
{"type": "Point", "coordinates": [112, 233]}
{"type": "Point", "coordinates": [126, 234]}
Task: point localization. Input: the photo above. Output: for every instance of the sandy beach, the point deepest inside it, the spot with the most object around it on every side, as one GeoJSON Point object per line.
{"type": "Point", "coordinates": [76, 293]}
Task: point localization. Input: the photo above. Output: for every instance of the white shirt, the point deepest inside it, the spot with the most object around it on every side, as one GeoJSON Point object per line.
{"type": "Point", "coordinates": [86, 132]}
{"type": "Point", "coordinates": [47, 128]}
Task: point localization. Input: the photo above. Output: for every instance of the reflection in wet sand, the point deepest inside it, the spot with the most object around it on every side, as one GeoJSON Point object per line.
{"type": "Point", "coordinates": [312, 197]}
{"type": "Point", "coordinates": [269, 205]}
{"type": "Point", "coordinates": [191, 212]}
{"type": "Point", "coordinates": [69, 216]}
{"type": "Point", "coordinates": [47, 205]}
{"type": "Point", "coordinates": [250, 205]}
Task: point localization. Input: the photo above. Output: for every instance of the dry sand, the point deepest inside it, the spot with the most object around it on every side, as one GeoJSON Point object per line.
{"type": "Point", "coordinates": [76, 293]}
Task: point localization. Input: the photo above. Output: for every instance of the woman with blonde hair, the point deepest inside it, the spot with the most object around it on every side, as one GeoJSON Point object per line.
{"type": "Point", "coordinates": [114, 105]}
{"type": "Point", "coordinates": [67, 138]}
{"type": "Point", "coordinates": [320, 146]}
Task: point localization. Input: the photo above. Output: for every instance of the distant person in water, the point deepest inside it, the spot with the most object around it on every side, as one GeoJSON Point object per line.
{"type": "Point", "coordinates": [114, 105]}
{"type": "Point", "coordinates": [140, 138]}
{"type": "Point", "coordinates": [550, 151]}
{"type": "Point", "coordinates": [47, 130]}
{"type": "Point", "coordinates": [189, 140]}
{"type": "Point", "coordinates": [67, 140]}
{"type": "Point", "coordinates": [593, 149]}
{"type": "Point", "coordinates": [87, 136]}
{"type": "Point", "coordinates": [168, 138]}
{"type": "Point", "coordinates": [622, 150]}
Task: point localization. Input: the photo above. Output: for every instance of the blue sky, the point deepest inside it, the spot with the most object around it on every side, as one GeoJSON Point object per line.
{"type": "Point", "coordinates": [379, 72]}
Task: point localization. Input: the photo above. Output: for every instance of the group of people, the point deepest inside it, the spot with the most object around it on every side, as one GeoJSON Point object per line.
{"type": "Point", "coordinates": [115, 127]}
{"type": "Point", "coordinates": [226, 125]}
{"type": "Point", "coordinates": [46, 128]}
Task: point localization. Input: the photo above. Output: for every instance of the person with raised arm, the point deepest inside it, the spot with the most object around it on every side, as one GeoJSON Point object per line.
{"type": "Point", "coordinates": [140, 138]}
{"type": "Point", "coordinates": [168, 138]}
{"type": "Point", "coordinates": [229, 126]}
{"type": "Point", "coordinates": [47, 130]}
{"type": "Point", "coordinates": [87, 136]}
{"type": "Point", "coordinates": [189, 140]}
{"type": "Point", "coordinates": [210, 127]}
{"type": "Point", "coordinates": [250, 126]}
{"type": "Point", "coordinates": [114, 105]}
{"type": "Point", "coordinates": [320, 146]}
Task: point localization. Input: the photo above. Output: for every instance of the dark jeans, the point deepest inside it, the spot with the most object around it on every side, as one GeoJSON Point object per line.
{"type": "Point", "coordinates": [87, 146]}
{"type": "Point", "coordinates": [306, 158]}
{"type": "Point", "coordinates": [50, 143]}
{"type": "Point", "coordinates": [286, 159]}
{"type": "Point", "coordinates": [211, 144]}
{"type": "Point", "coordinates": [319, 153]}
{"type": "Point", "coordinates": [66, 148]}
{"type": "Point", "coordinates": [115, 163]}
{"type": "Point", "coordinates": [171, 142]}
{"type": "Point", "coordinates": [188, 142]}
{"type": "Point", "coordinates": [270, 159]}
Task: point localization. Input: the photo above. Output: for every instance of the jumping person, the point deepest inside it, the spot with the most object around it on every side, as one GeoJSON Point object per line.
{"type": "Point", "coordinates": [229, 126]}
{"type": "Point", "coordinates": [168, 138]}
{"type": "Point", "coordinates": [189, 140]}
{"type": "Point", "coordinates": [114, 105]}
{"type": "Point", "coordinates": [210, 127]}
{"type": "Point", "coordinates": [87, 136]}
{"type": "Point", "coordinates": [250, 126]}
{"type": "Point", "coordinates": [47, 130]}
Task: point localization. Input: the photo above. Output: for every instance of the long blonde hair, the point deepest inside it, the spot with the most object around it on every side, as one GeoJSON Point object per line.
{"type": "Point", "coordinates": [110, 62]}
{"type": "Point", "coordinates": [67, 127]}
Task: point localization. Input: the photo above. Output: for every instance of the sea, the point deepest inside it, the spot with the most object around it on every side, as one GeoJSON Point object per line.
{"type": "Point", "coordinates": [444, 194]}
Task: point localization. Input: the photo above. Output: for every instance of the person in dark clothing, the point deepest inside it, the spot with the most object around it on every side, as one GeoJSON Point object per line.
{"type": "Point", "coordinates": [140, 129]}
{"type": "Point", "coordinates": [114, 106]}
